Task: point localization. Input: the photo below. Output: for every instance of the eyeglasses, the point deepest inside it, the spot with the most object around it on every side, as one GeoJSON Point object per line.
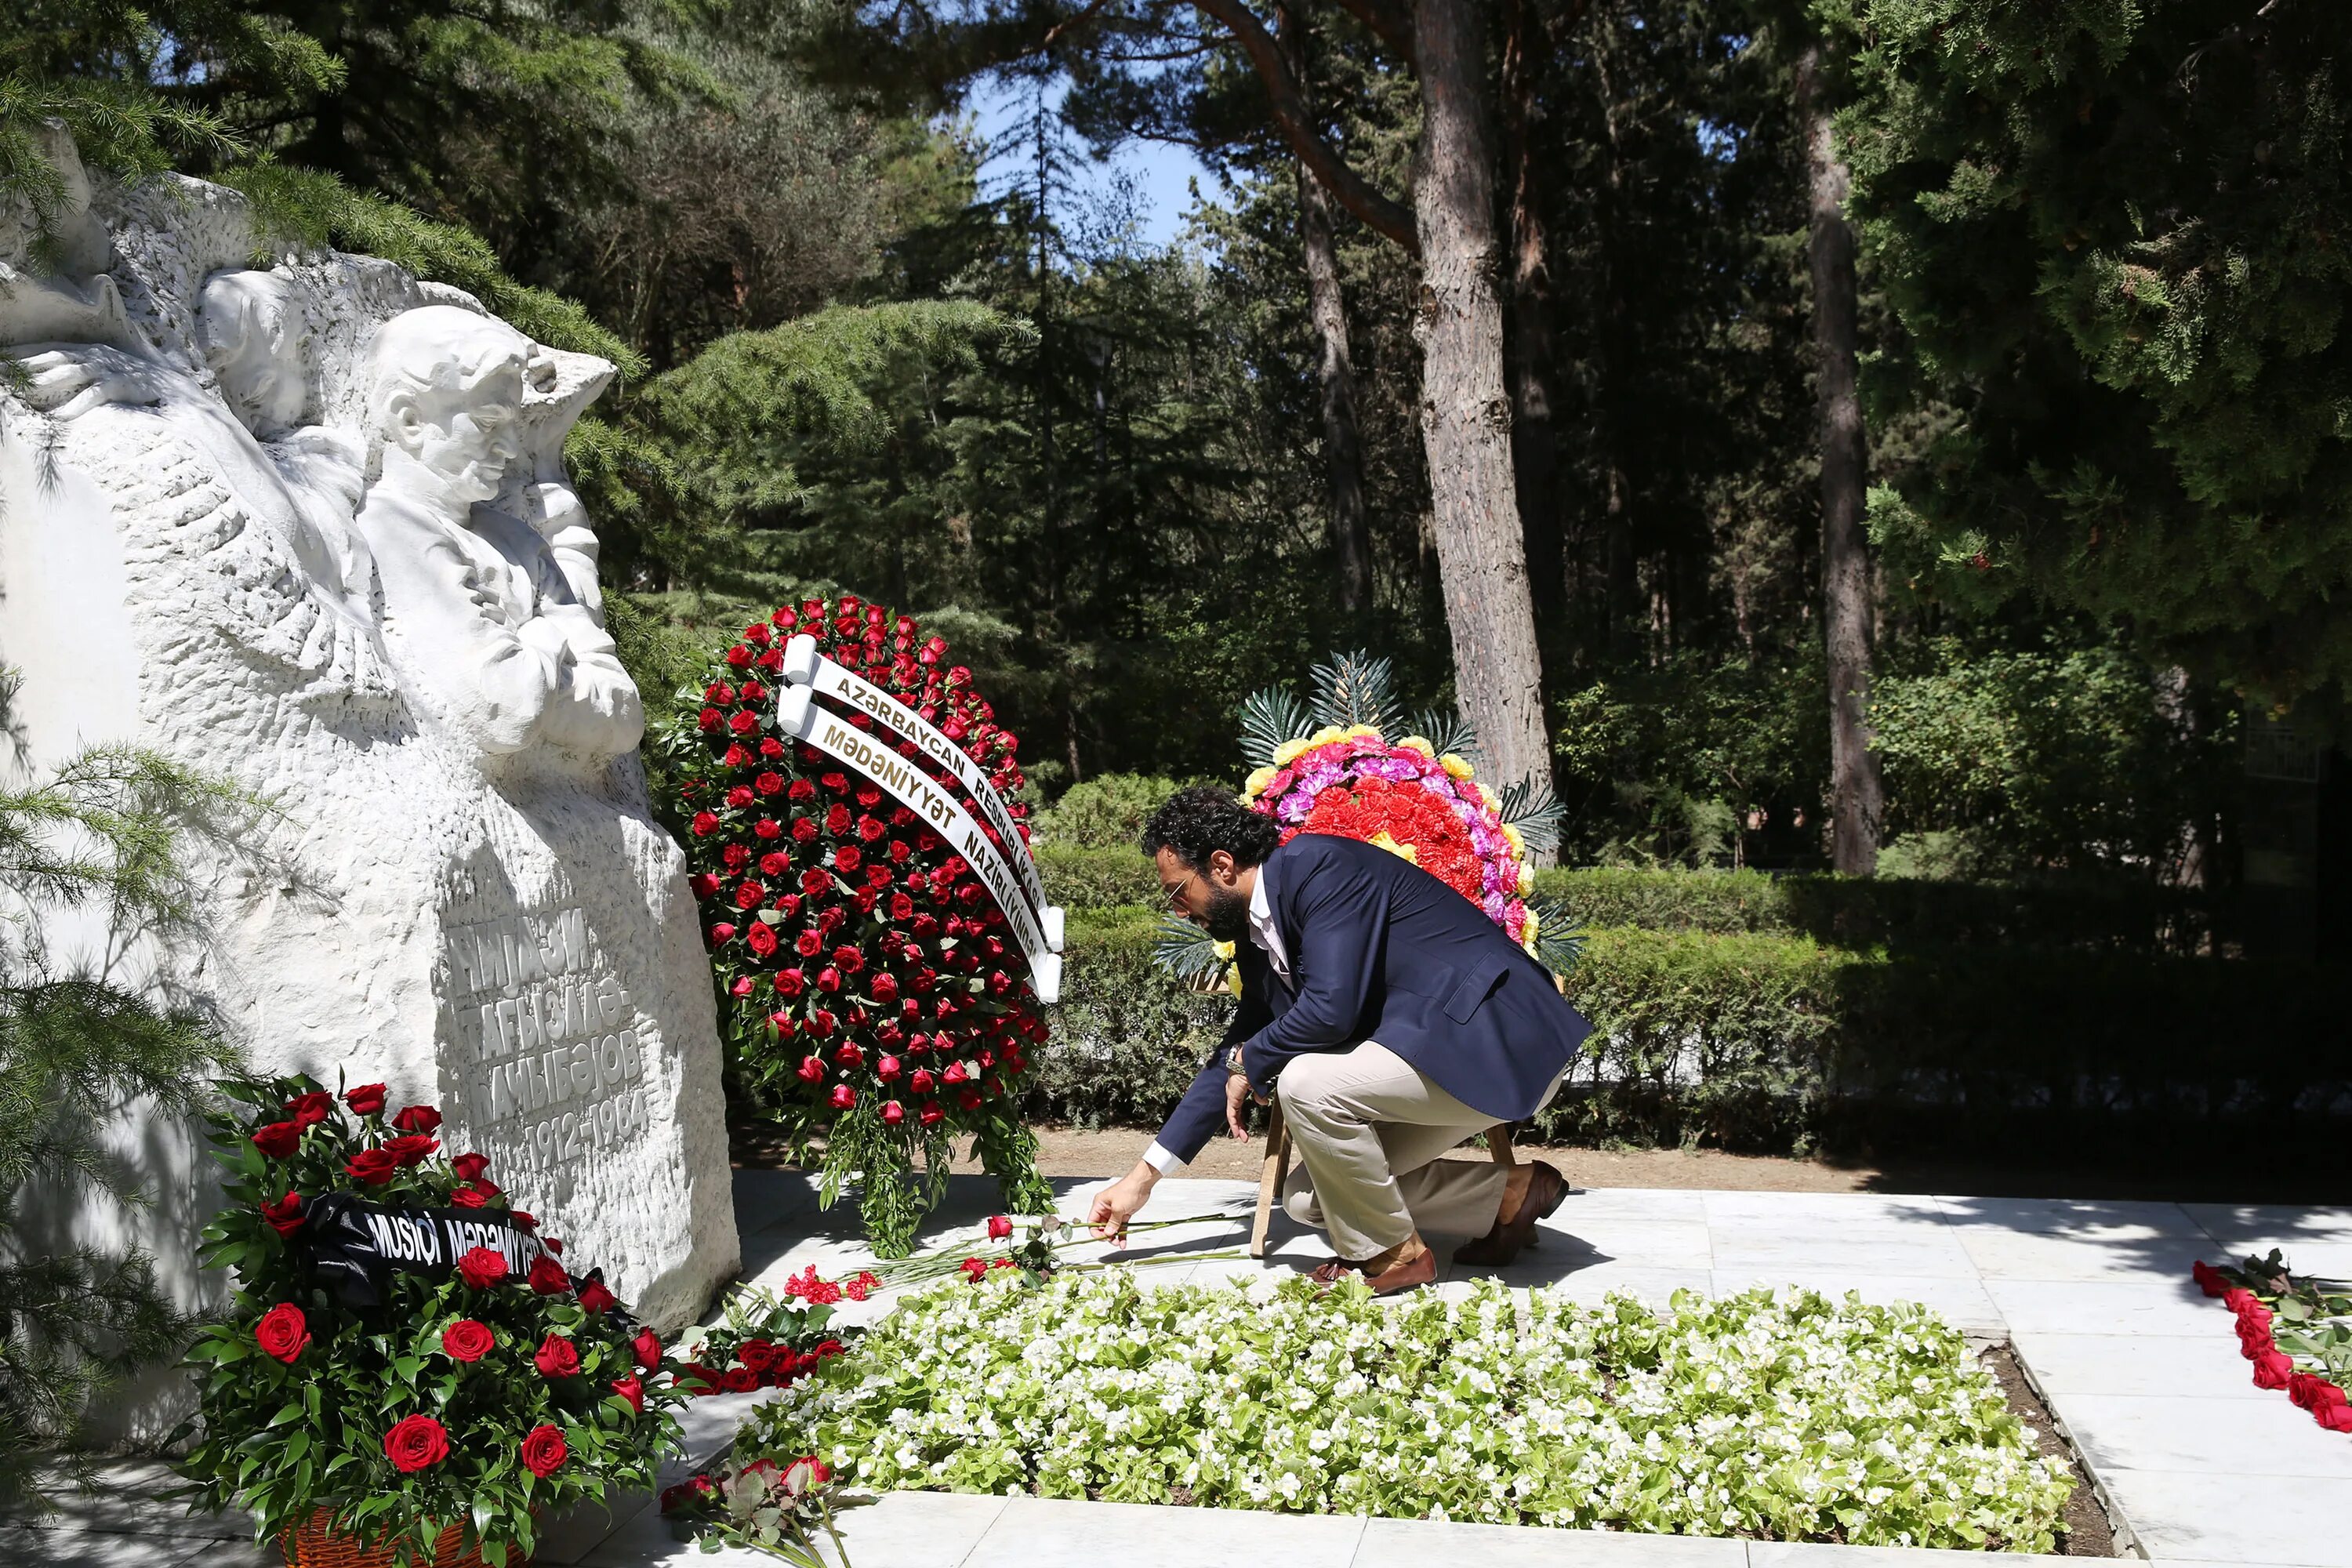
{"type": "Point", "coordinates": [1176, 893]}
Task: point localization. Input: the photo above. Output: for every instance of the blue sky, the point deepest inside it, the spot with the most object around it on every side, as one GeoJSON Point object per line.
{"type": "Point", "coordinates": [1159, 172]}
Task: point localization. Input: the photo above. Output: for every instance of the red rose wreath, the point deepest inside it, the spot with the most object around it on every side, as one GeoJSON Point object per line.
{"type": "Point", "coordinates": [871, 989]}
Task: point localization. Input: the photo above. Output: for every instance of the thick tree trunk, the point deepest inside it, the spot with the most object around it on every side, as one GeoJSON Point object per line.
{"type": "Point", "coordinates": [1534, 448]}
{"type": "Point", "coordinates": [1465, 409]}
{"type": "Point", "coordinates": [1343, 449]}
{"type": "Point", "coordinates": [1857, 797]}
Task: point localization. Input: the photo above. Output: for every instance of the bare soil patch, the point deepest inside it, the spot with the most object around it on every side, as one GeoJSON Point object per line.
{"type": "Point", "coordinates": [2087, 1532]}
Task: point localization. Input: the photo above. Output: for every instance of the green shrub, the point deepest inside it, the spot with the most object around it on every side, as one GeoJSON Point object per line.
{"type": "Point", "coordinates": [1127, 1039]}
{"type": "Point", "coordinates": [1106, 812]}
{"type": "Point", "coordinates": [1081, 878]}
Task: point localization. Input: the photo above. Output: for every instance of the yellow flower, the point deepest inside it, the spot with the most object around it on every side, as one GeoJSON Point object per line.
{"type": "Point", "coordinates": [1454, 765]}
{"type": "Point", "coordinates": [1326, 735]}
{"type": "Point", "coordinates": [1233, 976]}
{"type": "Point", "coordinates": [1410, 852]}
{"type": "Point", "coordinates": [1256, 783]}
{"type": "Point", "coordinates": [1369, 730]}
{"type": "Point", "coordinates": [1418, 743]}
{"type": "Point", "coordinates": [1225, 951]}
{"type": "Point", "coordinates": [1526, 880]}
{"type": "Point", "coordinates": [1488, 797]}
{"type": "Point", "coordinates": [1290, 752]}
{"type": "Point", "coordinates": [1519, 845]}
{"type": "Point", "coordinates": [1528, 932]}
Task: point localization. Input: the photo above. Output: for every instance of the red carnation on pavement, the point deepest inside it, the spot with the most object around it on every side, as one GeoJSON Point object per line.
{"type": "Point", "coordinates": [417, 1118]}
{"type": "Point", "coordinates": [279, 1140]}
{"type": "Point", "coordinates": [467, 1340]}
{"type": "Point", "coordinates": [482, 1269]}
{"type": "Point", "coordinates": [367, 1099]}
{"type": "Point", "coordinates": [557, 1358]}
{"type": "Point", "coordinates": [283, 1332]}
{"type": "Point", "coordinates": [285, 1215]}
{"type": "Point", "coordinates": [543, 1451]}
{"type": "Point", "coordinates": [416, 1443]}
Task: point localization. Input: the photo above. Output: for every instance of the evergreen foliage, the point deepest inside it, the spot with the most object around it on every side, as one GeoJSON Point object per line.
{"type": "Point", "coordinates": [2115, 233]}
{"type": "Point", "coordinates": [95, 880]}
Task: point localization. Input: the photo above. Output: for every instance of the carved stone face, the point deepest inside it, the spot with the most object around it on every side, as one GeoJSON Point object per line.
{"type": "Point", "coordinates": [449, 392]}
{"type": "Point", "coordinates": [257, 344]}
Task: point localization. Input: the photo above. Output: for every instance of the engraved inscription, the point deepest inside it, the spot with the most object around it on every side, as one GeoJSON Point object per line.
{"type": "Point", "coordinates": [554, 1051]}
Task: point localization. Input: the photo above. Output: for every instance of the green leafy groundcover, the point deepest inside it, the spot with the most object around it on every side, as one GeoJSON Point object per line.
{"type": "Point", "coordinates": [1780, 1414]}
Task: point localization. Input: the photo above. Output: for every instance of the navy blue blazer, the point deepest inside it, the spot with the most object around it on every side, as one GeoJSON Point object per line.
{"type": "Point", "coordinates": [1381, 950]}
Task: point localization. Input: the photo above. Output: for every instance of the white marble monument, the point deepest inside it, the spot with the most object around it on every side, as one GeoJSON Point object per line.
{"type": "Point", "coordinates": [306, 525]}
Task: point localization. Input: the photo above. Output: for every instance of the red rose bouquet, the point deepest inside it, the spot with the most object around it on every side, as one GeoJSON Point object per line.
{"type": "Point", "coordinates": [2294, 1329]}
{"type": "Point", "coordinates": [404, 1354]}
{"type": "Point", "coordinates": [871, 991]}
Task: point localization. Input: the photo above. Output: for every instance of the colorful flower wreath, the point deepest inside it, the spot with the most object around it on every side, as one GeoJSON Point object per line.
{"type": "Point", "coordinates": [1405, 797]}
{"type": "Point", "coordinates": [868, 983]}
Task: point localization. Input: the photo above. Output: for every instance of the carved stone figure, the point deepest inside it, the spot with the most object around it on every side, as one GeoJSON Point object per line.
{"type": "Point", "coordinates": [306, 526]}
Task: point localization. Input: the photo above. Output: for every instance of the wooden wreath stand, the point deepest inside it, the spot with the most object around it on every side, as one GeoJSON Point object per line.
{"type": "Point", "coordinates": [1276, 1168]}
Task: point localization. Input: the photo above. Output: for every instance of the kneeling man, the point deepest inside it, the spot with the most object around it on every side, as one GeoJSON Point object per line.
{"type": "Point", "coordinates": [1394, 1019]}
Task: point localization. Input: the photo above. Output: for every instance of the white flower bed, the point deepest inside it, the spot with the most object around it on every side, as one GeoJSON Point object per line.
{"type": "Point", "coordinates": [1776, 1415]}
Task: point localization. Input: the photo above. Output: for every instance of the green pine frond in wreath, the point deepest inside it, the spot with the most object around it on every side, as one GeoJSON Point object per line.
{"type": "Point", "coordinates": [1559, 941]}
{"type": "Point", "coordinates": [1447, 730]}
{"type": "Point", "coordinates": [1269, 719]}
{"type": "Point", "coordinates": [1355, 689]}
{"type": "Point", "coordinates": [1531, 807]}
{"type": "Point", "coordinates": [1188, 953]}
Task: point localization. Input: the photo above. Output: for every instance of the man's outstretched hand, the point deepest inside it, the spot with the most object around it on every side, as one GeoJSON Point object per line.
{"type": "Point", "coordinates": [1118, 1204]}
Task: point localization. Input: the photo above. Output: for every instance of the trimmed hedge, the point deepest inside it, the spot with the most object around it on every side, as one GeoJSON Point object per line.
{"type": "Point", "coordinates": [1899, 912]}
{"type": "Point", "coordinates": [1771, 1042]}
{"type": "Point", "coordinates": [1096, 879]}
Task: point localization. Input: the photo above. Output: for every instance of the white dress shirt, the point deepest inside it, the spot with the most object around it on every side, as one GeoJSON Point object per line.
{"type": "Point", "coordinates": [1268, 936]}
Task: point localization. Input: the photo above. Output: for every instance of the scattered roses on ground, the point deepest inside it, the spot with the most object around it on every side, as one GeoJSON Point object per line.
{"type": "Point", "coordinates": [1782, 1414]}
{"type": "Point", "coordinates": [2299, 1341]}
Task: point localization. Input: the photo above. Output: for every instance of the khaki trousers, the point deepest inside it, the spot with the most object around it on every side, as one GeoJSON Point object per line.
{"type": "Point", "coordinates": [1369, 1128]}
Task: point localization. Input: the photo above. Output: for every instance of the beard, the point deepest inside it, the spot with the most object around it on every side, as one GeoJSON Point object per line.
{"type": "Point", "coordinates": [1227, 918]}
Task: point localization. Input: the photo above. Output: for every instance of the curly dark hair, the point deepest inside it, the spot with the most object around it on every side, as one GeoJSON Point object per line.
{"type": "Point", "coordinates": [1195, 822]}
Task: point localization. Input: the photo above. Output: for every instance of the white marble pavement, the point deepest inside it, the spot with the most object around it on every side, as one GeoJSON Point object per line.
{"type": "Point", "coordinates": [2194, 1464]}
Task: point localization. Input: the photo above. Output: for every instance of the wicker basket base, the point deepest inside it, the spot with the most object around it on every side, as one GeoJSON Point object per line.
{"type": "Point", "coordinates": [319, 1544]}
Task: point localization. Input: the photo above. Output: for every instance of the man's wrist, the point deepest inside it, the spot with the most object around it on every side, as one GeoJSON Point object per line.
{"type": "Point", "coordinates": [1157, 1162]}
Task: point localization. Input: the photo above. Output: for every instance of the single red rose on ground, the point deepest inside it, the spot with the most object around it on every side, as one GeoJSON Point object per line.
{"type": "Point", "coordinates": [417, 1118]}
{"type": "Point", "coordinates": [467, 1340]}
{"type": "Point", "coordinates": [557, 1357]}
{"type": "Point", "coordinates": [373, 1166]}
{"type": "Point", "coordinates": [416, 1443]}
{"type": "Point", "coordinates": [482, 1269]}
{"type": "Point", "coordinates": [975, 1270]}
{"type": "Point", "coordinates": [279, 1140]}
{"type": "Point", "coordinates": [285, 1215]}
{"type": "Point", "coordinates": [310, 1110]}
{"type": "Point", "coordinates": [2272, 1369]}
{"type": "Point", "coordinates": [367, 1099]}
{"type": "Point", "coordinates": [999, 1227]}
{"type": "Point", "coordinates": [633, 1390]}
{"type": "Point", "coordinates": [548, 1278]}
{"type": "Point", "coordinates": [283, 1332]}
{"type": "Point", "coordinates": [543, 1452]}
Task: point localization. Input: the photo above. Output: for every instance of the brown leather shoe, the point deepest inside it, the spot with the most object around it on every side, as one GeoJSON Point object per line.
{"type": "Point", "coordinates": [1422, 1270]}
{"type": "Point", "coordinates": [1503, 1243]}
